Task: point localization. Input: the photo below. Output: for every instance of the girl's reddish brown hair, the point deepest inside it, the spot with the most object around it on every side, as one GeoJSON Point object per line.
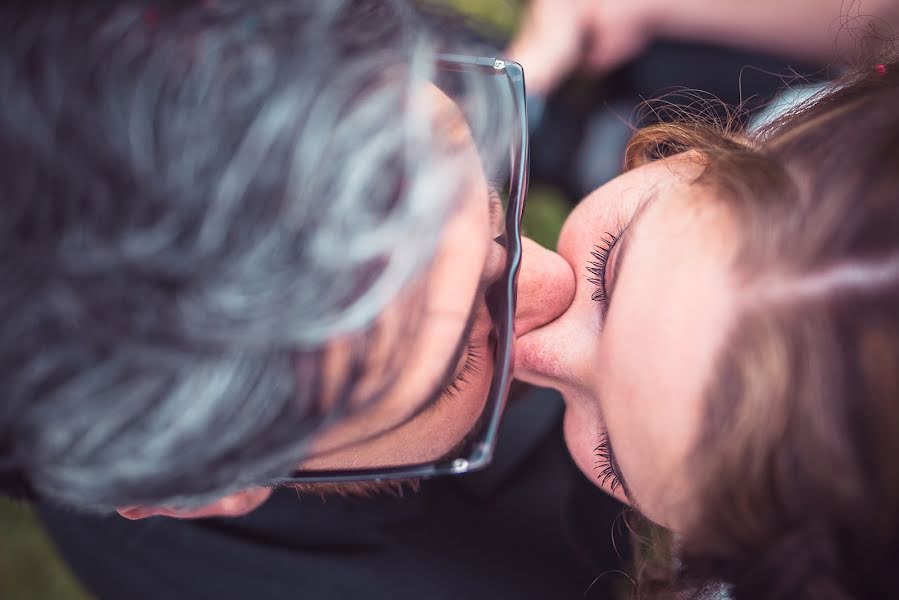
{"type": "Point", "coordinates": [797, 466]}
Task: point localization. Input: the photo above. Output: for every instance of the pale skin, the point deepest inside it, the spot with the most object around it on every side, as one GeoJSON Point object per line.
{"type": "Point", "coordinates": [639, 369]}
{"type": "Point", "coordinates": [447, 294]}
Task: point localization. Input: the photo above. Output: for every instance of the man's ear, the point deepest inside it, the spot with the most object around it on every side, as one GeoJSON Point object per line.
{"type": "Point", "coordinates": [235, 505]}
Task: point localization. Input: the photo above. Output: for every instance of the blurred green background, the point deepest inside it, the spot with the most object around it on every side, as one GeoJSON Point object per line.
{"type": "Point", "coordinates": [29, 567]}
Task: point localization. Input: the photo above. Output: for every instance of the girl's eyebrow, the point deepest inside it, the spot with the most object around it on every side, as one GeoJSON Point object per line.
{"type": "Point", "coordinates": [617, 261]}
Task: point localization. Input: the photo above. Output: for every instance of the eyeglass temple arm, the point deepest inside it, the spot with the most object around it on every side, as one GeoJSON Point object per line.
{"type": "Point", "coordinates": [462, 61]}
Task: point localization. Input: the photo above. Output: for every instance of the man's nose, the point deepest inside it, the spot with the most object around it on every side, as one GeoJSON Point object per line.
{"type": "Point", "coordinates": [545, 287]}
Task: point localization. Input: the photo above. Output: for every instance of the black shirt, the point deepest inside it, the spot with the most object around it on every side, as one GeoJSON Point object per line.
{"type": "Point", "coordinates": [531, 526]}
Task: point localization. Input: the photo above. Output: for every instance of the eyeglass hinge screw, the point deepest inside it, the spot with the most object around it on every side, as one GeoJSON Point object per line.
{"type": "Point", "coordinates": [460, 465]}
{"type": "Point", "coordinates": [499, 65]}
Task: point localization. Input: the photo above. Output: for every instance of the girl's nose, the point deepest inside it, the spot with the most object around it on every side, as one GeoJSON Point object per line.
{"type": "Point", "coordinates": [545, 287]}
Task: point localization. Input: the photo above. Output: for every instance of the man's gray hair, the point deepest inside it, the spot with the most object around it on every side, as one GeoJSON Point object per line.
{"type": "Point", "coordinates": [196, 198]}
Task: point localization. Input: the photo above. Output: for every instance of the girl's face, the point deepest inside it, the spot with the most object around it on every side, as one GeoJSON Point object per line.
{"type": "Point", "coordinates": [633, 352]}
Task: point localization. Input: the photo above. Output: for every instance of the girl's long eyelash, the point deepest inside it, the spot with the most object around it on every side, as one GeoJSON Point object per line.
{"type": "Point", "coordinates": [470, 367]}
{"type": "Point", "coordinates": [597, 267]}
{"type": "Point", "coordinates": [604, 463]}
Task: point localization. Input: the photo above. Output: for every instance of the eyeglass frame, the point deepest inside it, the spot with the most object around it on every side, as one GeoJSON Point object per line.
{"type": "Point", "coordinates": [503, 320]}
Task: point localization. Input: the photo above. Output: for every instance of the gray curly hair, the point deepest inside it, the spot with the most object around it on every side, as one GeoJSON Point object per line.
{"type": "Point", "coordinates": [197, 198]}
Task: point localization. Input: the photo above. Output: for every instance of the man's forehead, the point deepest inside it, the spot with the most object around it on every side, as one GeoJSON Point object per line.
{"type": "Point", "coordinates": [445, 117]}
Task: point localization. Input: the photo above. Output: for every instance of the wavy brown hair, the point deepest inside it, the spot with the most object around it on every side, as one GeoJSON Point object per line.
{"type": "Point", "coordinates": [796, 466]}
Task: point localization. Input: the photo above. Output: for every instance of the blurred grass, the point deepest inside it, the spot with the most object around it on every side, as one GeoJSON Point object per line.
{"type": "Point", "coordinates": [544, 214]}
{"type": "Point", "coordinates": [29, 567]}
{"type": "Point", "coordinates": [546, 207]}
{"type": "Point", "coordinates": [501, 16]}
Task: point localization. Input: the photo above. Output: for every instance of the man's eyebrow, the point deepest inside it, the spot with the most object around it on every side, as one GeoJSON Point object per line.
{"type": "Point", "coordinates": [496, 210]}
{"type": "Point", "coordinates": [624, 242]}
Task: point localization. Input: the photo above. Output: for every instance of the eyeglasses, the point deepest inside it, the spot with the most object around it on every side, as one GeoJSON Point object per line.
{"type": "Point", "coordinates": [500, 297]}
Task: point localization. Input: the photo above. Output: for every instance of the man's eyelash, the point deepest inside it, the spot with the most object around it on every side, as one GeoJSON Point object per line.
{"type": "Point", "coordinates": [597, 267]}
{"type": "Point", "coordinates": [470, 367]}
{"type": "Point", "coordinates": [604, 463]}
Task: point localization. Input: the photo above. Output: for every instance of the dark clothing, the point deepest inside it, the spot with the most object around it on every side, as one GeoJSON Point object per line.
{"type": "Point", "coordinates": [532, 527]}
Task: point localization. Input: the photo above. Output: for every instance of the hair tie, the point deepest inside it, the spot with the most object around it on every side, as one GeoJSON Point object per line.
{"type": "Point", "coordinates": [880, 69]}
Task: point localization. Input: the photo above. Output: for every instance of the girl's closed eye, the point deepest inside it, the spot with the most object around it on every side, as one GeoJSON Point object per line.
{"type": "Point", "coordinates": [597, 269]}
{"type": "Point", "coordinates": [605, 463]}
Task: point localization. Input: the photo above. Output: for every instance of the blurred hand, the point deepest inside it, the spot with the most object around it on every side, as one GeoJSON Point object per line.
{"type": "Point", "coordinates": [558, 37]}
